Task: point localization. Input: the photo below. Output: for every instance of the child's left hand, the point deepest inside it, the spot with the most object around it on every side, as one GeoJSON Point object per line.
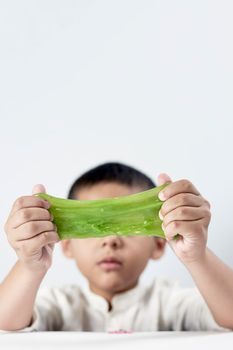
{"type": "Point", "coordinates": [187, 213]}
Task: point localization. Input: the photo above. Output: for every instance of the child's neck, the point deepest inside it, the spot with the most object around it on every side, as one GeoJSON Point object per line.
{"type": "Point", "coordinates": [108, 295]}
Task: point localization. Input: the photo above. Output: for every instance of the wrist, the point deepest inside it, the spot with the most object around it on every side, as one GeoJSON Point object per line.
{"type": "Point", "coordinates": [198, 262]}
{"type": "Point", "coordinates": [32, 272]}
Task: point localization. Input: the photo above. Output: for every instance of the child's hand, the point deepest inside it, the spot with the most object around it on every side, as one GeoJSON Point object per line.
{"type": "Point", "coordinates": [187, 213]}
{"type": "Point", "coordinates": [30, 231]}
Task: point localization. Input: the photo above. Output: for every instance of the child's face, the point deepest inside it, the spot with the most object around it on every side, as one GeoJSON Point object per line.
{"type": "Point", "coordinates": [132, 253]}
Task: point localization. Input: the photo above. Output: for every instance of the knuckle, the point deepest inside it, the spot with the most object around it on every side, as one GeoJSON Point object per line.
{"type": "Point", "coordinates": [46, 237]}
{"type": "Point", "coordinates": [49, 226]}
{"type": "Point", "coordinates": [175, 225]}
{"type": "Point", "coordinates": [182, 211]}
{"type": "Point", "coordinates": [19, 202]}
{"type": "Point", "coordinates": [32, 227]}
{"type": "Point", "coordinates": [186, 184]}
{"type": "Point", "coordinates": [207, 203]}
{"type": "Point", "coordinates": [206, 214]}
{"type": "Point", "coordinates": [182, 199]}
{"type": "Point", "coordinates": [25, 215]}
{"type": "Point", "coordinates": [43, 237]}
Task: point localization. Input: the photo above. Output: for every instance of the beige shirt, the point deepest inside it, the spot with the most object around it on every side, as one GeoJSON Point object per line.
{"type": "Point", "coordinates": [161, 306]}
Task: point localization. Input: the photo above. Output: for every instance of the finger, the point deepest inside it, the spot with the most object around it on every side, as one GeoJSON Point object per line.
{"type": "Point", "coordinates": [181, 199]}
{"type": "Point", "coordinates": [185, 214]}
{"type": "Point", "coordinates": [162, 179]}
{"type": "Point", "coordinates": [28, 202]}
{"type": "Point", "coordinates": [184, 228]}
{"type": "Point", "coordinates": [38, 189]}
{"type": "Point", "coordinates": [181, 186]}
{"type": "Point", "coordinates": [31, 245]}
{"type": "Point", "coordinates": [49, 247]}
{"type": "Point", "coordinates": [22, 216]}
{"type": "Point", "coordinates": [31, 229]}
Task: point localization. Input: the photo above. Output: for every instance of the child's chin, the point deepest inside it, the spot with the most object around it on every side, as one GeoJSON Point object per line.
{"type": "Point", "coordinates": [111, 284]}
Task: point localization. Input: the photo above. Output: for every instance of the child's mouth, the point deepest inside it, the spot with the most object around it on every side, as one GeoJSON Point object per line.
{"type": "Point", "coordinates": [110, 264]}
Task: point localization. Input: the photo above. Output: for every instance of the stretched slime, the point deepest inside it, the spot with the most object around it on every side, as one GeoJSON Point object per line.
{"type": "Point", "coordinates": [133, 215]}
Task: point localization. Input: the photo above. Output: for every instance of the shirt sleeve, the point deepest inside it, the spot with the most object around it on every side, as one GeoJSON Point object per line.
{"type": "Point", "coordinates": [186, 310]}
{"type": "Point", "coordinates": [47, 315]}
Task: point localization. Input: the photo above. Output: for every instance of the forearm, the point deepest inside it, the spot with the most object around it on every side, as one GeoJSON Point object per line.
{"type": "Point", "coordinates": [214, 280]}
{"type": "Point", "coordinates": [17, 297]}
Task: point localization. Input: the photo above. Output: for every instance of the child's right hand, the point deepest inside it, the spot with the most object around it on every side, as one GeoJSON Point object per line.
{"type": "Point", "coordinates": [30, 231]}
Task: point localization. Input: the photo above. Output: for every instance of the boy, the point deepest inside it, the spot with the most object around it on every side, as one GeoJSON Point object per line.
{"type": "Point", "coordinates": [114, 299]}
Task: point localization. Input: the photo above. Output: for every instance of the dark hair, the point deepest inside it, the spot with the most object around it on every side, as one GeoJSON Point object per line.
{"type": "Point", "coordinates": [112, 172]}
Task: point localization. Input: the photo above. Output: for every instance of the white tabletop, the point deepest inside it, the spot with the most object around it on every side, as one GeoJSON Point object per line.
{"type": "Point", "coordinates": [138, 340]}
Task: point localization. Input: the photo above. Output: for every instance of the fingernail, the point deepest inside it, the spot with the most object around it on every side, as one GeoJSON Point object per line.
{"type": "Point", "coordinates": [160, 215]}
{"type": "Point", "coordinates": [162, 196]}
{"type": "Point", "coordinates": [163, 227]}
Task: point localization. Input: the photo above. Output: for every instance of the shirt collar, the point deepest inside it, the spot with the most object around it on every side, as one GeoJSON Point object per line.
{"type": "Point", "coordinates": [119, 301]}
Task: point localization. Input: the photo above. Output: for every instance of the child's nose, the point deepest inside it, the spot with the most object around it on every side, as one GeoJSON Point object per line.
{"type": "Point", "coordinates": [113, 241]}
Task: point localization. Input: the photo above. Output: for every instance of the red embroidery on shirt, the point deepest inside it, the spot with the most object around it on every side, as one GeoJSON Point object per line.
{"type": "Point", "coordinates": [120, 331]}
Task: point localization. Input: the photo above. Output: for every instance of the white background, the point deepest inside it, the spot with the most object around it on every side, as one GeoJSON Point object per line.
{"type": "Point", "coordinates": [147, 83]}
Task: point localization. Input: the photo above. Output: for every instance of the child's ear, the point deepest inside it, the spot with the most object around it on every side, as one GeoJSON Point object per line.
{"type": "Point", "coordinates": [66, 248]}
{"type": "Point", "coordinates": [159, 248]}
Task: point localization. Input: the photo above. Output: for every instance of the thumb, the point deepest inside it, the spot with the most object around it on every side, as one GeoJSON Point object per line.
{"type": "Point", "coordinates": [163, 178]}
{"type": "Point", "coordinates": [38, 188]}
